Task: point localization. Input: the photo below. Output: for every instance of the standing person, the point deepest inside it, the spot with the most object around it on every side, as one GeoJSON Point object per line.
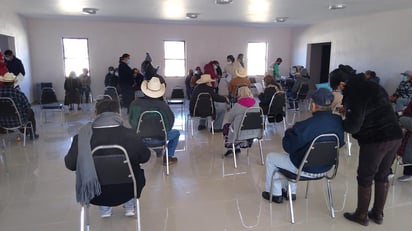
{"type": "Point", "coordinates": [370, 119]}
{"type": "Point", "coordinates": [106, 129]}
{"type": "Point", "coordinates": [126, 80]}
{"type": "Point", "coordinates": [229, 69]}
{"type": "Point", "coordinates": [85, 82]}
{"type": "Point", "coordinates": [72, 87]}
{"type": "Point", "coordinates": [154, 90]}
{"type": "Point", "coordinates": [188, 79]}
{"type": "Point", "coordinates": [14, 64]}
{"type": "Point", "coordinates": [239, 62]}
{"type": "Point", "coordinates": [110, 79]}
{"type": "Point", "coordinates": [371, 76]}
{"type": "Point", "coordinates": [276, 73]}
{"type": "Point", "coordinates": [211, 69]}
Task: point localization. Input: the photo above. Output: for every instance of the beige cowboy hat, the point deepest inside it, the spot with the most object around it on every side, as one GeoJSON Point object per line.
{"type": "Point", "coordinates": [153, 88]}
{"type": "Point", "coordinates": [241, 72]}
{"type": "Point", "coordinates": [8, 78]}
{"type": "Point", "coordinates": [205, 78]}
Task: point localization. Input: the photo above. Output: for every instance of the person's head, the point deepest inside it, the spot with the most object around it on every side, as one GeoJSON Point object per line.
{"type": "Point", "coordinates": [339, 76]}
{"type": "Point", "coordinates": [240, 57]}
{"type": "Point", "coordinates": [241, 72]}
{"type": "Point", "coordinates": [111, 69]}
{"type": "Point", "coordinates": [153, 88]}
{"type": "Point", "coordinates": [244, 92]}
{"type": "Point", "coordinates": [107, 105]}
{"type": "Point", "coordinates": [85, 71]}
{"type": "Point", "coordinates": [124, 58]}
{"type": "Point", "coordinates": [278, 60]}
{"type": "Point", "coordinates": [230, 59]}
{"type": "Point", "coordinates": [321, 100]}
{"type": "Point", "coordinates": [408, 75]}
{"type": "Point", "coordinates": [72, 74]}
{"type": "Point", "coordinates": [191, 72]}
{"type": "Point", "coordinates": [268, 80]}
{"type": "Point", "coordinates": [8, 55]}
{"type": "Point", "coordinates": [205, 79]}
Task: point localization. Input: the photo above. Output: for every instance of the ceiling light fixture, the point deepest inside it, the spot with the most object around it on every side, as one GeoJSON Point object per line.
{"type": "Point", "coordinates": [90, 10]}
{"type": "Point", "coordinates": [337, 7]}
{"type": "Point", "coordinates": [281, 19]}
{"type": "Point", "coordinates": [192, 15]}
{"type": "Point", "coordinates": [223, 2]}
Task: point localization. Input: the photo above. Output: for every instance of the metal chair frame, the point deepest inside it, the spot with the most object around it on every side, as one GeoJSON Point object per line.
{"type": "Point", "coordinates": [270, 107]}
{"type": "Point", "coordinates": [52, 106]}
{"type": "Point", "coordinates": [211, 111]}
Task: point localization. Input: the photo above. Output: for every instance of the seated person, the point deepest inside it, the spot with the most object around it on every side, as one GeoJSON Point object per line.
{"type": "Point", "coordinates": [292, 93]}
{"type": "Point", "coordinates": [271, 87]}
{"type": "Point", "coordinates": [204, 85]}
{"type": "Point", "coordinates": [406, 122]}
{"type": "Point", "coordinates": [106, 129]}
{"type": "Point", "coordinates": [22, 103]}
{"type": "Point", "coordinates": [371, 76]}
{"type": "Point", "coordinates": [240, 79]}
{"type": "Point", "coordinates": [403, 93]}
{"type": "Point", "coordinates": [296, 141]}
{"type": "Point", "coordinates": [234, 118]}
{"type": "Point", "coordinates": [153, 91]}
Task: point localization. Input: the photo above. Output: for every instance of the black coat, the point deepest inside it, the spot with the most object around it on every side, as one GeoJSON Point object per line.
{"type": "Point", "coordinates": [138, 154]}
{"type": "Point", "coordinates": [204, 88]}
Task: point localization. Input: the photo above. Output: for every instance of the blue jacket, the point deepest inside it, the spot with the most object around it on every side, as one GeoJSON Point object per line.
{"type": "Point", "coordinates": [298, 138]}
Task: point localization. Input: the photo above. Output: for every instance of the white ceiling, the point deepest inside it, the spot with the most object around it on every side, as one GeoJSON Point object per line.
{"type": "Point", "coordinates": [240, 12]}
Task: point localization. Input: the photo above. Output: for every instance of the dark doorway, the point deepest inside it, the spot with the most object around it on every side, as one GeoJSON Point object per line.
{"type": "Point", "coordinates": [319, 61]}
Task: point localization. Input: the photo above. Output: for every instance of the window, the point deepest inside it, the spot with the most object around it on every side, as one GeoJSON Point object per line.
{"type": "Point", "coordinates": [76, 55]}
{"type": "Point", "coordinates": [175, 62]}
{"type": "Point", "coordinates": [256, 58]}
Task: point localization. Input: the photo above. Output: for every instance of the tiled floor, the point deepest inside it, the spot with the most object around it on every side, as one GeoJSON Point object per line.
{"type": "Point", "coordinates": [201, 193]}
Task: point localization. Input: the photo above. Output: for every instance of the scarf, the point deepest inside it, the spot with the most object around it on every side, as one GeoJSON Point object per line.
{"type": "Point", "coordinates": [87, 183]}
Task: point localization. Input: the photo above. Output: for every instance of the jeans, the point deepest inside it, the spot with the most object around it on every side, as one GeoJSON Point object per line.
{"type": "Point", "coordinates": [401, 103]}
{"type": "Point", "coordinates": [85, 94]}
{"type": "Point", "coordinates": [173, 140]}
{"type": "Point", "coordinates": [107, 209]}
{"type": "Point", "coordinates": [274, 161]}
{"type": "Point", "coordinates": [220, 115]}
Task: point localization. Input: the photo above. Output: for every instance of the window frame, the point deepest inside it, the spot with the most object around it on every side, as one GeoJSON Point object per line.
{"type": "Point", "coordinates": [263, 71]}
{"type": "Point", "coordinates": [184, 59]}
{"type": "Point", "coordinates": [79, 70]}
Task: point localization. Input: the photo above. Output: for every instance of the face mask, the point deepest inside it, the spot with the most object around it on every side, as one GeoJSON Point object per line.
{"type": "Point", "coordinates": [404, 78]}
{"type": "Point", "coordinates": [230, 62]}
{"type": "Point", "coordinates": [7, 58]}
{"type": "Point", "coordinates": [196, 72]}
{"type": "Point", "coordinates": [128, 61]}
{"type": "Point", "coordinates": [116, 74]}
{"type": "Point", "coordinates": [111, 72]}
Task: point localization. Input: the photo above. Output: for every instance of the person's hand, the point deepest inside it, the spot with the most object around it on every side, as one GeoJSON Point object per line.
{"type": "Point", "coordinates": [341, 110]}
{"type": "Point", "coordinates": [393, 98]}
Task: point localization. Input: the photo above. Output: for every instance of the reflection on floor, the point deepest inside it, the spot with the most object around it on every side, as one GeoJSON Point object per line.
{"type": "Point", "coordinates": [201, 193]}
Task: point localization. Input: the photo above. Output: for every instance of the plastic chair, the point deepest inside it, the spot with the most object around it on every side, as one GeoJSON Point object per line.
{"type": "Point", "coordinates": [323, 151]}
{"type": "Point", "coordinates": [276, 108]}
{"type": "Point", "coordinates": [115, 158]}
{"type": "Point", "coordinates": [151, 128]}
{"type": "Point", "coordinates": [10, 118]}
{"type": "Point", "coordinates": [204, 108]}
{"type": "Point", "coordinates": [49, 102]}
{"type": "Point", "coordinates": [251, 127]}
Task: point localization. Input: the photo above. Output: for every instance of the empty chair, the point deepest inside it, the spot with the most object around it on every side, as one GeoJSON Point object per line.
{"type": "Point", "coordinates": [323, 152]}
{"type": "Point", "coordinates": [49, 102]}
{"type": "Point", "coordinates": [177, 98]}
{"type": "Point", "coordinates": [11, 119]}
{"type": "Point", "coordinates": [152, 130]}
{"type": "Point", "coordinates": [115, 158]}
{"type": "Point", "coordinates": [204, 108]}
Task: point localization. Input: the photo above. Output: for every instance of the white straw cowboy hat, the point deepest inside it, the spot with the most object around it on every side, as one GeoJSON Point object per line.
{"type": "Point", "coordinates": [153, 88]}
{"type": "Point", "coordinates": [205, 78]}
{"type": "Point", "coordinates": [8, 78]}
{"type": "Point", "coordinates": [241, 72]}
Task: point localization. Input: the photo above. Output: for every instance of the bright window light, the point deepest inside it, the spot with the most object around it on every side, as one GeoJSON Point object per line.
{"type": "Point", "coordinates": [76, 55]}
{"type": "Point", "coordinates": [256, 58]}
{"type": "Point", "coordinates": [175, 61]}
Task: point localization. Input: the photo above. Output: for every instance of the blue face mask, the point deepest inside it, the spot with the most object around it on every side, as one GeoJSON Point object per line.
{"type": "Point", "coordinates": [404, 78]}
{"type": "Point", "coordinates": [128, 61]}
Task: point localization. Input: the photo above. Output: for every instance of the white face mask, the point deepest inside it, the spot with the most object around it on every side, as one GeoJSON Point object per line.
{"type": "Point", "coordinates": [116, 74]}
{"type": "Point", "coordinates": [229, 62]}
{"type": "Point", "coordinates": [111, 72]}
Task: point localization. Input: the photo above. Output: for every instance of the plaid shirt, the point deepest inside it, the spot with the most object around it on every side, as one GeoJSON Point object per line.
{"type": "Point", "coordinates": [22, 104]}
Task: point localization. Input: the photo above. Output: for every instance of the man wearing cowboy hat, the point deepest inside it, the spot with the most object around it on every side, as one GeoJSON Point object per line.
{"type": "Point", "coordinates": [21, 101]}
{"type": "Point", "coordinates": [239, 80]}
{"type": "Point", "coordinates": [153, 90]}
{"type": "Point", "coordinates": [204, 85]}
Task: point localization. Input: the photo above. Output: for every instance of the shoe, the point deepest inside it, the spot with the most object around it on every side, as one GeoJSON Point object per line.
{"type": "Point", "coordinates": [106, 214]}
{"type": "Point", "coordinates": [276, 199]}
{"type": "Point", "coordinates": [229, 152]}
{"type": "Point", "coordinates": [354, 217]}
{"type": "Point", "coordinates": [159, 152]}
{"type": "Point", "coordinates": [286, 195]}
{"type": "Point", "coordinates": [377, 218]}
{"type": "Point", "coordinates": [297, 109]}
{"type": "Point", "coordinates": [201, 127]}
{"type": "Point", "coordinates": [172, 160]}
{"type": "Point", "coordinates": [391, 176]}
{"type": "Point", "coordinates": [405, 178]}
{"type": "Point", "coordinates": [129, 212]}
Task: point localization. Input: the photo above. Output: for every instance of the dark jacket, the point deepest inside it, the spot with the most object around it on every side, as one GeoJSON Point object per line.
{"type": "Point", "coordinates": [137, 151]}
{"type": "Point", "coordinates": [204, 88]}
{"type": "Point", "coordinates": [369, 114]}
{"type": "Point", "coordinates": [298, 138]}
{"type": "Point", "coordinates": [265, 97]}
{"type": "Point", "coordinates": [126, 77]}
{"type": "Point", "coordinates": [15, 66]}
{"type": "Point", "coordinates": [149, 104]}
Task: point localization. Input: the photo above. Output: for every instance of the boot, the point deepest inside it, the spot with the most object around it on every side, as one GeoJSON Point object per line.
{"type": "Point", "coordinates": [360, 216]}
{"type": "Point", "coordinates": [381, 191]}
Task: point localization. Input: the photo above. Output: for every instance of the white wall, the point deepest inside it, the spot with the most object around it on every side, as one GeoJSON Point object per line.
{"type": "Point", "coordinates": [379, 42]}
{"type": "Point", "coordinates": [108, 40]}
{"type": "Point", "coordinates": [13, 25]}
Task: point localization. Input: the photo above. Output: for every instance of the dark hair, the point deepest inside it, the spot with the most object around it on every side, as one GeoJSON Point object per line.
{"type": "Point", "coordinates": [111, 68]}
{"type": "Point", "coordinates": [279, 60]}
{"type": "Point", "coordinates": [107, 105]}
{"type": "Point", "coordinates": [268, 79]}
{"type": "Point", "coordinates": [8, 52]}
{"type": "Point", "coordinates": [125, 55]}
{"type": "Point", "coordinates": [340, 74]}
{"type": "Point", "coordinates": [231, 58]}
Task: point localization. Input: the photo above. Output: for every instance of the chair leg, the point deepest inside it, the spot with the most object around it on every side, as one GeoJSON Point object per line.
{"type": "Point", "coordinates": [234, 154]}
{"type": "Point", "coordinates": [138, 225]}
{"type": "Point", "coordinates": [261, 152]}
{"type": "Point", "coordinates": [395, 170]}
{"type": "Point", "coordinates": [167, 160]}
{"type": "Point", "coordinates": [307, 190]}
{"type": "Point", "coordinates": [82, 218]}
{"type": "Point", "coordinates": [332, 210]}
{"type": "Point", "coordinates": [349, 144]}
{"type": "Point", "coordinates": [213, 128]}
{"type": "Point", "coordinates": [292, 215]}
{"type": "Point", "coordinates": [3, 155]}
{"type": "Point", "coordinates": [191, 125]}
{"type": "Point", "coordinates": [24, 136]}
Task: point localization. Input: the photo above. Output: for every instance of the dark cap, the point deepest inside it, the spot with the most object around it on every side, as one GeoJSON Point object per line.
{"type": "Point", "coordinates": [322, 97]}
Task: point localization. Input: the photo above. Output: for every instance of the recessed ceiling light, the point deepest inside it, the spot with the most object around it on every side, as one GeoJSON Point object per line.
{"type": "Point", "coordinates": [281, 19]}
{"type": "Point", "coordinates": [192, 15]}
{"type": "Point", "coordinates": [223, 2]}
{"type": "Point", "coordinates": [337, 6]}
{"type": "Point", "coordinates": [90, 10]}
